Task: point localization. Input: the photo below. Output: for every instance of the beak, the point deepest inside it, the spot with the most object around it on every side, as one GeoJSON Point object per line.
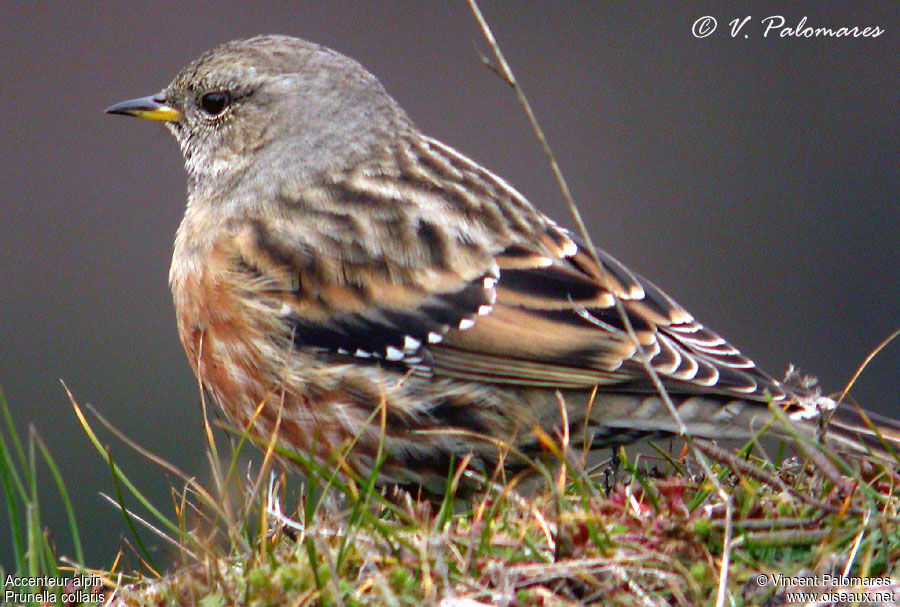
{"type": "Point", "coordinates": [151, 108]}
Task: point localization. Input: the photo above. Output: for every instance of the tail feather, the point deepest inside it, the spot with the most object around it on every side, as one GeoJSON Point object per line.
{"type": "Point", "coordinates": [619, 418]}
{"type": "Point", "coordinates": [856, 430]}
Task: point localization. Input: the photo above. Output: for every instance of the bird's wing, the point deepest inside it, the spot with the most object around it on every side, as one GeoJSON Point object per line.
{"type": "Point", "coordinates": [366, 305]}
{"type": "Point", "coordinates": [455, 274]}
{"type": "Point", "coordinates": [538, 314]}
{"type": "Point", "coordinates": [555, 323]}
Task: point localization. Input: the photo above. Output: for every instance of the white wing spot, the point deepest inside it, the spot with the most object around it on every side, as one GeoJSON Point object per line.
{"type": "Point", "coordinates": [812, 407]}
{"type": "Point", "coordinates": [466, 323]}
{"type": "Point", "coordinates": [411, 343]}
{"type": "Point", "coordinates": [484, 310]}
{"type": "Point", "coordinates": [490, 282]}
{"type": "Point", "coordinates": [393, 353]}
{"type": "Point", "coordinates": [362, 354]}
{"type": "Point", "coordinates": [434, 338]}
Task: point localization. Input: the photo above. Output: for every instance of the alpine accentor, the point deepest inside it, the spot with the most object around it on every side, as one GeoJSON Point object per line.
{"type": "Point", "coordinates": [334, 260]}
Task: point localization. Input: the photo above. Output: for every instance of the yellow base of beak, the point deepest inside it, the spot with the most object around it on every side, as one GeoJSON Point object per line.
{"type": "Point", "coordinates": [149, 108]}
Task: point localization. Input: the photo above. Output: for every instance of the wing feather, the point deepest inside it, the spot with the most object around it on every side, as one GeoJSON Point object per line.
{"type": "Point", "coordinates": [459, 276]}
{"type": "Point", "coordinates": [559, 323]}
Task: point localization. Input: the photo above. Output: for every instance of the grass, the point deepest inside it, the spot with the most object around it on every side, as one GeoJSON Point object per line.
{"type": "Point", "coordinates": [34, 555]}
{"type": "Point", "coordinates": [646, 530]}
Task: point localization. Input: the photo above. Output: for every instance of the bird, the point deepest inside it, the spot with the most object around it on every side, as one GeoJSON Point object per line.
{"type": "Point", "coordinates": [358, 291]}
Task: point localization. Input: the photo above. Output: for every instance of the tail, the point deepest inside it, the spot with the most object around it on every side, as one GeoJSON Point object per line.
{"type": "Point", "coordinates": [844, 428]}
{"type": "Point", "coordinates": [855, 431]}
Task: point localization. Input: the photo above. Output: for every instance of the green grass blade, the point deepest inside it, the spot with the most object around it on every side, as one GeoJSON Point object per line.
{"type": "Point", "coordinates": [120, 475]}
{"type": "Point", "coordinates": [64, 496]}
{"type": "Point", "coordinates": [128, 522]}
{"type": "Point", "coordinates": [14, 436]}
{"type": "Point", "coordinates": [15, 495]}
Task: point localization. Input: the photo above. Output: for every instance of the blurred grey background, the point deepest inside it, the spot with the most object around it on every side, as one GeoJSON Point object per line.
{"type": "Point", "coordinates": [754, 179]}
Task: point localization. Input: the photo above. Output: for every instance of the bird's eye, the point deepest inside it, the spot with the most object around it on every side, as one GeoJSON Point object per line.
{"type": "Point", "coordinates": [214, 103]}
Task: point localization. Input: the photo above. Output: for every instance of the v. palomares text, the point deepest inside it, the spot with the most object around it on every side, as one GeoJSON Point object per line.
{"type": "Point", "coordinates": [777, 26]}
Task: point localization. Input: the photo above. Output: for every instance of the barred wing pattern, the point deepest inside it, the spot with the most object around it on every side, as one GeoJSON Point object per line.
{"type": "Point", "coordinates": [508, 298]}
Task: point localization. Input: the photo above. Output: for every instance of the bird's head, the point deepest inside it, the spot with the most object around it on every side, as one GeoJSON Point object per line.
{"type": "Point", "coordinates": [272, 106]}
